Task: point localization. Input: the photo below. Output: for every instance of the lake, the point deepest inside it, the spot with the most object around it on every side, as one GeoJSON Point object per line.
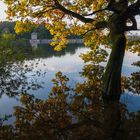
{"type": "Point", "coordinates": [39, 69]}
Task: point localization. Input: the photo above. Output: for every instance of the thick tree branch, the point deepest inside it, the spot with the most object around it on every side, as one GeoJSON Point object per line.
{"type": "Point", "coordinates": [134, 24]}
{"type": "Point", "coordinates": [130, 13]}
{"type": "Point", "coordinates": [135, 5]}
{"type": "Point", "coordinates": [69, 12]}
{"type": "Point", "coordinates": [117, 5]}
{"type": "Point", "coordinates": [134, 9]}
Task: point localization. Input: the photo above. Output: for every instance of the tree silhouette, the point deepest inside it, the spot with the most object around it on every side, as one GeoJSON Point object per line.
{"type": "Point", "coordinates": [86, 18]}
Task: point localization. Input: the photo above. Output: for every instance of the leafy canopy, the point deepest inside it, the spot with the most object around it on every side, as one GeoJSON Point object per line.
{"type": "Point", "coordinates": [88, 18]}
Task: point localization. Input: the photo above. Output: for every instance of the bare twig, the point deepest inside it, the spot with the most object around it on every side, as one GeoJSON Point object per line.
{"type": "Point", "coordinates": [100, 10]}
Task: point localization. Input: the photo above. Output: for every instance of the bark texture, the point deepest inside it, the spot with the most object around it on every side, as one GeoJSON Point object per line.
{"type": "Point", "coordinates": [112, 75]}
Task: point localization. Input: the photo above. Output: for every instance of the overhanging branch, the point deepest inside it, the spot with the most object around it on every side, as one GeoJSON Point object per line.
{"type": "Point", "coordinates": [69, 12]}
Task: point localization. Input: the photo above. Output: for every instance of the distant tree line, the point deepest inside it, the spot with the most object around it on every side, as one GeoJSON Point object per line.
{"type": "Point", "coordinates": [7, 31]}
{"type": "Point", "coordinates": [7, 28]}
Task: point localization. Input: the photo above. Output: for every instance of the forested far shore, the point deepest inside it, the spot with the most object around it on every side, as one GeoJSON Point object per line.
{"type": "Point", "coordinates": [7, 30]}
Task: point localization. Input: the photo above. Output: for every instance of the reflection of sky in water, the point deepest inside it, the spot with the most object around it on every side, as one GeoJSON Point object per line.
{"type": "Point", "coordinates": [70, 65]}
{"type": "Point", "coordinates": [131, 100]}
{"type": "Point", "coordinates": [128, 68]}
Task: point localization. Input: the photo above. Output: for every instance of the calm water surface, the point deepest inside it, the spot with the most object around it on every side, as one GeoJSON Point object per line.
{"type": "Point", "coordinates": [70, 64]}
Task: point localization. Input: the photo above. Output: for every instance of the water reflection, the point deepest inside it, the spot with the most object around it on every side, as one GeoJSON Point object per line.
{"type": "Point", "coordinates": [29, 70]}
{"type": "Point", "coordinates": [70, 111]}
{"type": "Point", "coordinates": [72, 114]}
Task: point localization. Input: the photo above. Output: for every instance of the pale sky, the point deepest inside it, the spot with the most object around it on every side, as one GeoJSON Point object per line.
{"type": "Point", "coordinates": [2, 11]}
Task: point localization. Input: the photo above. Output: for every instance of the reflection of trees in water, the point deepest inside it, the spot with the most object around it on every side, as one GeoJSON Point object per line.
{"type": "Point", "coordinates": [47, 51]}
{"type": "Point", "coordinates": [24, 48]}
{"type": "Point", "coordinates": [66, 116]}
{"type": "Point", "coordinates": [13, 78]}
{"type": "Point", "coordinates": [78, 113]}
{"type": "Point", "coordinates": [132, 83]}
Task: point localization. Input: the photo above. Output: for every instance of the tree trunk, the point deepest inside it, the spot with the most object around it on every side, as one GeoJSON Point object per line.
{"type": "Point", "coordinates": [112, 120]}
{"type": "Point", "coordinates": [112, 85]}
{"type": "Point", "coordinates": [112, 76]}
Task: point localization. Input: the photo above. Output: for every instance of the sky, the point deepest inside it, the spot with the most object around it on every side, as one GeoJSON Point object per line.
{"type": "Point", "coordinates": [2, 11]}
